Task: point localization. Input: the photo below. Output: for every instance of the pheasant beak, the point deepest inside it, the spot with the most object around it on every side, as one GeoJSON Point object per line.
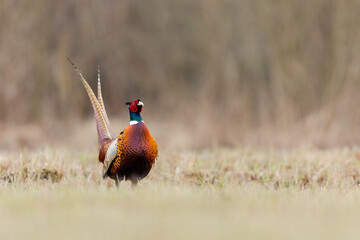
{"type": "Point", "coordinates": [140, 103]}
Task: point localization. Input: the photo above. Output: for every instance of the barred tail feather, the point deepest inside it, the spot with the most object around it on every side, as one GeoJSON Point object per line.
{"type": "Point", "coordinates": [101, 101]}
{"type": "Point", "coordinates": [102, 123]}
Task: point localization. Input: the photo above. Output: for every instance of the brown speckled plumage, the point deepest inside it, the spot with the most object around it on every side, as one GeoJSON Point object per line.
{"type": "Point", "coordinates": [136, 155]}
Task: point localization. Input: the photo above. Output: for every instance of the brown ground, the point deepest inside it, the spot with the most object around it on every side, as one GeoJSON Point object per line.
{"type": "Point", "coordinates": [215, 193]}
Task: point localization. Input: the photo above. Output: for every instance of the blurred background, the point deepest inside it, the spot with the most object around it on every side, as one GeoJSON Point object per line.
{"type": "Point", "coordinates": [210, 72]}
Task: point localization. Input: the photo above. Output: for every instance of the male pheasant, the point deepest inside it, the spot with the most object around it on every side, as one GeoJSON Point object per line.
{"type": "Point", "coordinates": [132, 154]}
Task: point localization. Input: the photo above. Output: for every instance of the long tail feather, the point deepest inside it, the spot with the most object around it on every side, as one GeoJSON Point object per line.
{"type": "Point", "coordinates": [99, 91]}
{"type": "Point", "coordinates": [103, 128]}
{"type": "Point", "coordinates": [101, 101]}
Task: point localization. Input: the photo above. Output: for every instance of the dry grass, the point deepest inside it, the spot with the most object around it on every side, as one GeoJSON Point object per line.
{"type": "Point", "coordinates": [212, 194]}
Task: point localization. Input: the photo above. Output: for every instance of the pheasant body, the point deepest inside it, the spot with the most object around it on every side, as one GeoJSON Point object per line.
{"type": "Point", "coordinates": [132, 154]}
{"type": "Point", "coordinates": [136, 153]}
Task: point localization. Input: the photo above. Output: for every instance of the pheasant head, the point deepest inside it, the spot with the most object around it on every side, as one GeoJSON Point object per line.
{"type": "Point", "coordinates": [135, 108]}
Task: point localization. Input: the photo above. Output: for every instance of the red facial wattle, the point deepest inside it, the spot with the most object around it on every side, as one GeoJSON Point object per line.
{"type": "Point", "coordinates": [133, 107]}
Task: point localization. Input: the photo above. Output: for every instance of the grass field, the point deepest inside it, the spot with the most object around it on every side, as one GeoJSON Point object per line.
{"type": "Point", "coordinates": [280, 79]}
{"type": "Point", "coordinates": [208, 194]}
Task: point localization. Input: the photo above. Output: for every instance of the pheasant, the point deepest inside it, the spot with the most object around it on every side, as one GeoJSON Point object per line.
{"type": "Point", "coordinates": [131, 155]}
